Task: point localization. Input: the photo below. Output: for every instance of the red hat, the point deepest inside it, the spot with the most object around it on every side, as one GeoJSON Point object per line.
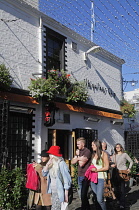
{"type": "Point", "coordinates": [55, 150]}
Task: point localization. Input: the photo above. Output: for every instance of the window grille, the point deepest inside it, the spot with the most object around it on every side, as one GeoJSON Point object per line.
{"type": "Point", "coordinates": [88, 134]}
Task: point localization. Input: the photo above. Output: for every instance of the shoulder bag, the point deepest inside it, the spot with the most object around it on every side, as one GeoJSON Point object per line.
{"type": "Point", "coordinates": [108, 191]}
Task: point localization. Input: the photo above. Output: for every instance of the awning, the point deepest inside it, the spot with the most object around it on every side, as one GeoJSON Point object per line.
{"type": "Point", "coordinates": [17, 97]}
{"type": "Point", "coordinates": [87, 110]}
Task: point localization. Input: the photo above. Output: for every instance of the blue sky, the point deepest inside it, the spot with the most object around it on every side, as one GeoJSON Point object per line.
{"type": "Point", "coordinates": [116, 28]}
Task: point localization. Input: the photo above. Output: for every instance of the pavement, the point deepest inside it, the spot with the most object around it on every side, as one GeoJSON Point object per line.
{"type": "Point", "coordinates": [132, 201]}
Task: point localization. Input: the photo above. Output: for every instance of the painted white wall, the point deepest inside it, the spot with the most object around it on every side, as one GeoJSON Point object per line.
{"type": "Point", "coordinates": [97, 70]}
{"type": "Point", "coordinates": [19, 43]}
{"type": "Point", "coordinates": [100, 70]}
{"type": "Point", "coordinates": [20, 50]}
{"type": "Point", "coordinates": [108, 132]}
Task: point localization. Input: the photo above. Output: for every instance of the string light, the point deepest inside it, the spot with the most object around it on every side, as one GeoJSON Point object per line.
{"type": "Point", "coordinates": [76, 15]}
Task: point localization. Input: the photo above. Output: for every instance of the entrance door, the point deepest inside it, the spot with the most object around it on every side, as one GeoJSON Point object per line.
{"type": "Point", "coordinates": [59, 138]}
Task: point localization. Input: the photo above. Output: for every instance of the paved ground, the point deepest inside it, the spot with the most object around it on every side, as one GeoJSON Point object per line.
{"type": "Point", "coordinates": [132, 201]}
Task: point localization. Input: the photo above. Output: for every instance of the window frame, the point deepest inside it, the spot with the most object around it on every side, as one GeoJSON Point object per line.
{"type": "Point", "coordinates": [53, 35]}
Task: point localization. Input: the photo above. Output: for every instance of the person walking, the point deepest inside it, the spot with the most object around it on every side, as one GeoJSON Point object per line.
{"type": "Point", "coordinates": [101, 165]}
{"type": "Point", "coordinates": [83, 158]}
{"type": "Point", "coordinates": [42, 200]}
{"type": "Point", "coordinates": [58, 176]}
{"type": "Point", "coordinates": [119, 160]}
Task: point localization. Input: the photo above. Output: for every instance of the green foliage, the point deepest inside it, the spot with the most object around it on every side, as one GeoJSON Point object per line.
{"type": "Point", "coordinates": [75, 176]}
{"type": "Point", "coordinates": [58, 83]}
{"type": "Point", "coordinates": [5, 78]}
{"type": "Point", "coordinates": [127, 109]}
{"type": "Point", "coordinates": [78, 93]}
{"type": "Point", "coordinates": [13, 194]}
{"type": "Point", "coordinates": [134, 166]}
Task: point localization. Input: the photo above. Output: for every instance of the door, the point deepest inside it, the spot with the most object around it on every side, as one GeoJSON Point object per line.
{"type": "Point", "coordinates": [60, 138]}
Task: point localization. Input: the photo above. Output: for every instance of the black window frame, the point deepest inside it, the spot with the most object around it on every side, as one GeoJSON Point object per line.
{"type": "Point", "coordinates": [57, 38]}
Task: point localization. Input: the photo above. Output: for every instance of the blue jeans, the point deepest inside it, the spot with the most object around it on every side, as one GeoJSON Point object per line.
{"type": "Point", "coordinates": [83, 185]}
{"type": "Point", "coordinates": [80, 181]}
{"type": "Point", "coordinates": [98, 189]}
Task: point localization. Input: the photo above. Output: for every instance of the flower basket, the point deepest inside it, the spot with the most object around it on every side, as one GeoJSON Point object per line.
{"type": "Point", "coordinates": [58, 84]}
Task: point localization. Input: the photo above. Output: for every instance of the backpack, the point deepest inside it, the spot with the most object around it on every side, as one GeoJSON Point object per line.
{"type": "Point", "coordinates": [33, 179]}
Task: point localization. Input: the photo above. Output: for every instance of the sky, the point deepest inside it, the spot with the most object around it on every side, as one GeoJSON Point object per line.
{"type": "Point", "coordinates": [115, 27]}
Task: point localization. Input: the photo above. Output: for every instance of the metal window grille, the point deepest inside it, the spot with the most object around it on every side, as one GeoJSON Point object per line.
{"type": "Point", "coordinates": [88, 134]}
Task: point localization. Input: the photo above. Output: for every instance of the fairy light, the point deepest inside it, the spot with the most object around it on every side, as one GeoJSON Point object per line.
{"type": "Point", "coordinates": [71, 15]}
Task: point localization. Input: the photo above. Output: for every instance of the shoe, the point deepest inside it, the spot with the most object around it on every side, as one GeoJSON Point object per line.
{"type": "Point", "coordinates": [122, 207]}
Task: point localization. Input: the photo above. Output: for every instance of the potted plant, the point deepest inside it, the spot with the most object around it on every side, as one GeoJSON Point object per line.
{"type": "Point", "coordinates": [5, 78]}
{"type": "Point", "coordinates": [58, 84]}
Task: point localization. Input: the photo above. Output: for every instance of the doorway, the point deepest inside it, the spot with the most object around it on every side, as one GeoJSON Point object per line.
{"type": "Point", "coordinates": [61, 139]}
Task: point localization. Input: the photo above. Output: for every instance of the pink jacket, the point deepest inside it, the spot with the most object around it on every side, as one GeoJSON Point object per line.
{"type": "Point", "coordinates": [91, 175]}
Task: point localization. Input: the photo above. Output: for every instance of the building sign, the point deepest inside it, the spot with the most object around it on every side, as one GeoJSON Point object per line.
{"type": "Point", "coordinates": [98, 87]}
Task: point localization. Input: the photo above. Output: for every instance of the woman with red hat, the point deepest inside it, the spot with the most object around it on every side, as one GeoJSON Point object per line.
{"type": "Point", "coordinates": [58, 177]}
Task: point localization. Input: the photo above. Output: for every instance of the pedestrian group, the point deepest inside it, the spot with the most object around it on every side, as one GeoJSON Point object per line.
{"type": "Point", "coordinates": [52, 192]}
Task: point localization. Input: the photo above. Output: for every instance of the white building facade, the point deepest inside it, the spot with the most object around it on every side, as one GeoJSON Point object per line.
{"type": "Point", "coordinates": [26, 36]}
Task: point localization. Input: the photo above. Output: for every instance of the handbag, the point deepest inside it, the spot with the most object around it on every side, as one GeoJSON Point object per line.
{"type": "Point", "coordinates": [124, 175]}
{"type": "Point", "coordinates": [108, 191]}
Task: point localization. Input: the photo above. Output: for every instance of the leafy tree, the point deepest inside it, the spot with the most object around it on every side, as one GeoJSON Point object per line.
{"type": "Point", "coordinates": [127, 109]}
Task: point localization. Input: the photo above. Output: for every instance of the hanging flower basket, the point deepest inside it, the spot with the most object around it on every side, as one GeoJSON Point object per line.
{"type": "Point", "coordinates": [58, 84]}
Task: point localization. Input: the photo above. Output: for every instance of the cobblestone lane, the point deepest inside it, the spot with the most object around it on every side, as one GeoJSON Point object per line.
{"type": "Point", "coordinates": [132, 201]}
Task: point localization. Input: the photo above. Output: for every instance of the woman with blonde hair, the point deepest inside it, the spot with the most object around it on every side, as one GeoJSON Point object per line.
{"type": "Point", "coordinates": [101, 165]}
{"type": "Point", "coordinates": [59, 179]}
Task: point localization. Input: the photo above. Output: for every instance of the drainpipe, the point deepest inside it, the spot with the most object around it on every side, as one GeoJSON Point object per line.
{"type": "Point", "coordinates": [40, 47]}
{"type": "Point", "coordinates": [41, 74]}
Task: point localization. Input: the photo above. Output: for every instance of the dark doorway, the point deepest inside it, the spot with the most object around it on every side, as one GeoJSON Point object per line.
{"type": "Point", "coordinates": [59, 138]}
{"type": "Point", "coordinates": [62, 141]}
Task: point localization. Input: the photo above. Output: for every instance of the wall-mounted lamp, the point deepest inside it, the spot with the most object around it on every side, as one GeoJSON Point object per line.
{"type": "Point", "coordinates": [91, 119]}
{"type": "Point", "coordinates": [19, 109]}
{"type": "Point", "coordinates": [37, 74]}
{"type": "Point", "coordinates": [93, 49]}
{"type": "Point", "coordinates": [117, 122]}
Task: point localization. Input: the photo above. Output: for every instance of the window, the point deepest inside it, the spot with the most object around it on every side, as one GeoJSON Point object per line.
{"type": "Point", "coordinates": [66, 118]}
{"type": "Point", "coordinates": [55, 50]}
{"type": "Point", "coordinates": [74, 46]}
